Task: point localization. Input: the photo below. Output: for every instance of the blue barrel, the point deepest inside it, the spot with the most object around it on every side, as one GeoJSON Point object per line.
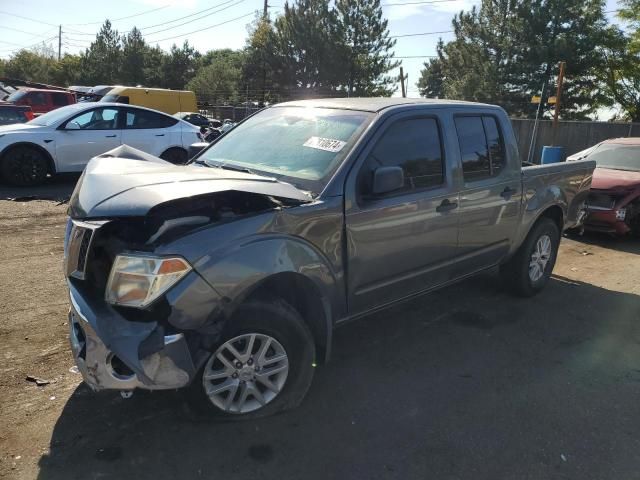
{"type": "Point", "coordinates": [552, 155]}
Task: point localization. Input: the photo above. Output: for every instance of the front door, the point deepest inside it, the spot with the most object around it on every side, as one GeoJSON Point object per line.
{"type": "Point", "coordinates": [86, 135]}
{"type": "Point", "coordinates": [400, 243]}
{"type": "Point", "coordinates": [490, 198]}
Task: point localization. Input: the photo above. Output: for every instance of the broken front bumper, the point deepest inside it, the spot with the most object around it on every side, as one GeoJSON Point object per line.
{"type": "Point", "coordinates": [113, 353]}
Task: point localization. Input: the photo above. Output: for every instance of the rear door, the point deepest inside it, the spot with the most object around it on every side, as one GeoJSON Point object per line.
{"type": "Point", "coordinates": [400, 243]}
{"type": "Point", "coordinates": [149, 131]}
{"type": "Point", "coordinates": [86, 135]}
{"type": "Point", "coordinates": [490, 198]}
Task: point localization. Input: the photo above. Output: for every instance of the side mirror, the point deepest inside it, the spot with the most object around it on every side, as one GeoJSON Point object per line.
{"type": "Point", "coordinates": [72, 126]}
{"type": "Point", "coordinates": [196, 148]}
{"type": "Point", "coordinates": [203, 130]}
{"type": "Point", "coordinates": [387, 179]}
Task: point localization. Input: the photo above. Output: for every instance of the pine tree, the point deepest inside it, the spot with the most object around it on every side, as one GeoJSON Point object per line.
{"type": "Point", "coordinates": [504, 51]}
{"type": "Point", "coordinates": [306, 44]}
{"type": "Point", "coordinates": [134, 50]}
{"type": "Point", "coordinates": [366, 48]}
{"type": "Point", "coordinates": [101, 61]}
{"type": "Point", "coordinates": [178, 67]}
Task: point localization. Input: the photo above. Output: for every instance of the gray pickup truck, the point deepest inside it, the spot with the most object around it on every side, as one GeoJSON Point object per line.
{"type": "Point", "coordinates": [229, 275]}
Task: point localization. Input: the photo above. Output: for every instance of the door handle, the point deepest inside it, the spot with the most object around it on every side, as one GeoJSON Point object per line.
{"type": "Point", "coordinates": [159, 134]}
{"type": "Point", "coordinates": [111, 136]}
{"type": "Point", "coordinates": [508, 192]}
{"type": "Point", "coordinates": [446, 206]}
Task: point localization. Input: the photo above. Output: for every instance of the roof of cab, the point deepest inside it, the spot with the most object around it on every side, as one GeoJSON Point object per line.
{"type": "Point", "coordinates": [624, 141]}
{"type": "Point", "coordinates": [376, 104]}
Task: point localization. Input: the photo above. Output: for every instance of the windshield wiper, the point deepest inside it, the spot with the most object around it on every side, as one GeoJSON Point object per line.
{"type": "Point", "coordinates": [234, 168]}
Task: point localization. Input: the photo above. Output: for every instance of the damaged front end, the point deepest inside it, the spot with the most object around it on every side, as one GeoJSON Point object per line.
{"type": "Point", "coordinates": [139, 319]}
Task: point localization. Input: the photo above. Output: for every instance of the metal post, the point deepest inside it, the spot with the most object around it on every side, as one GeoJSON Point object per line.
{"type": "Point", "coordinates": [404, 92]}
{"type": "Point", "coordinates": [59, 42]}
{"type": "Point", "coordinates": [534, 134]}
{"type": "Point", "coordinates": [556, 111]}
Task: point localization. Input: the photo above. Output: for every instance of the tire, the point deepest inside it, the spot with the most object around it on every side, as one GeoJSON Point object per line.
{"type": "Point", "coordinates": [518, 273]}
{"type": "Point", "coordinates": [24, 166]}
{"type": "Point", "coordinates": [281, 323]}
{"type": "Point", "coordinates": [175, 155]}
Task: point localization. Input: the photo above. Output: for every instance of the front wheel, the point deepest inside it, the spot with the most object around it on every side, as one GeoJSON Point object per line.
{"type": "Point", "coordinates": [262, 365]}
{"type": "Point", "coordinates": [529, 270]}
{"type": "Point", "coordinates": [24, 166]}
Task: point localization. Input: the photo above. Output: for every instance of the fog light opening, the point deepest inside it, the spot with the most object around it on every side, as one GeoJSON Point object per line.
{"type": "Point", "coordinates": [119, 369]}
{"type": "Point", "coordinates": [80, 340]}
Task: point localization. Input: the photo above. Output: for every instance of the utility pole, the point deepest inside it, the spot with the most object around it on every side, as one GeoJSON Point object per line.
{"type": "Point", "coordinates": [265, 12]}
{"type": "Point", "coordinates": [556, 111]}
{"type": "Point", "coordinates": [59, 42]}
{"type": "Point", "coordinates": [402, 78]}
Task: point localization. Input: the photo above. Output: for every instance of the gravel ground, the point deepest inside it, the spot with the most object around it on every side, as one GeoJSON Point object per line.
{"type": "Point", "coordinates": [466, 383]}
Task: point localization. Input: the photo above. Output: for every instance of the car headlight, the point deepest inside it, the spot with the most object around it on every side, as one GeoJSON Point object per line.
{"type": "Point", "coordinates": [136, 281]}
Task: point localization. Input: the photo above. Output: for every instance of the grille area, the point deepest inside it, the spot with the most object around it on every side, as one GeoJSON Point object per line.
{"type": "Point", "coordinates": [601, 201]}
{"type": "Point", "coordinates": [78, 249]}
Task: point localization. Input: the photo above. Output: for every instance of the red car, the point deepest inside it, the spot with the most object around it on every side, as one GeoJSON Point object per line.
{"type": "Point", "coordinates": [41, 100]}
{"type": "Point", "coordinates": [11, 113]}
{"type": "Point", "coordinates": [614, 201]}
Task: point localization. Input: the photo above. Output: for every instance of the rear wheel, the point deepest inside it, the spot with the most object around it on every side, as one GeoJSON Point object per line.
{"type": "Point", "coordinates": [529, 270]}
{"type": "Point", "coordinates": [24, 166]}
{"type": "Point", "coordinates": [175, 155]}
{"type": "Point", "coordinates": [262, 365]}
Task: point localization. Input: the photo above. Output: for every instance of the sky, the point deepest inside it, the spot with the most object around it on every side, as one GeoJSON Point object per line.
{"type": "Point", "coordinates": [223, 24]}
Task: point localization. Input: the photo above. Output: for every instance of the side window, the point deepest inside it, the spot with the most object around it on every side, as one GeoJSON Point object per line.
{"type": "Point", "coordinates": [144, 119]}
{"type": "Point", "coordinates": [481, 147]}
{"type": "Point", "coordinates": [59, 99]}
{"type": "Point", "coordinates": [38, 98]}
{"type": "Point", "coordinates": [98, 119]}
{"type": "Point", "coordinates": [415, 146]}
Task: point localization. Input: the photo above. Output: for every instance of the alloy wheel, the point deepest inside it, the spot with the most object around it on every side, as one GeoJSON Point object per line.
{"type": "Point", "coordinates": [246, 373]}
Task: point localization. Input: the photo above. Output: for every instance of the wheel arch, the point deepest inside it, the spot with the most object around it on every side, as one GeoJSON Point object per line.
{"type": "Point", "coordinates": [305, 297]}
{"type": "Point", "coordinates": [50, 161]}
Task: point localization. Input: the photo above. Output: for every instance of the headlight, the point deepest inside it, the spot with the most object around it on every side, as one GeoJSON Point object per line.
{"type": "Point", "coordinates": [136, 281]}
{"type": "Point", "coordinates": [621, 214]}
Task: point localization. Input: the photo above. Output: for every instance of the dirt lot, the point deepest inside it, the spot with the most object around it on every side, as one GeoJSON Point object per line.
{"type": "Point", "coordinates": [464, 383]}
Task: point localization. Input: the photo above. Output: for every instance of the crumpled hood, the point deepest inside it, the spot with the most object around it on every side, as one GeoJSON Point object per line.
{"type": "Point", "coordinates": [126, 182]}
{"type": "Point", "coordinates": [610, 179]}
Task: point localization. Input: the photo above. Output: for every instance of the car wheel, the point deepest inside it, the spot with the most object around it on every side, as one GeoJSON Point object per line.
{"type": "Point", "coordinates": [24, 166]}
{"type": "Point", "coordinates": [175, 155]}
{"type": "Point", "coordinates": [262, 365]}
{"type": "Point", "coordinates": [529, 270]}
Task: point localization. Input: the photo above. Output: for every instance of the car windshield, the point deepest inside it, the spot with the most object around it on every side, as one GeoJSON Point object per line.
{"type": "Point", "coordinates": [617, 156]}
{"type": "Point", "coordinates": [15, 96]}
{"type": "Point", "coordinates": [303, 146]}
{"type": "Point", "coordinates": [54, 116]}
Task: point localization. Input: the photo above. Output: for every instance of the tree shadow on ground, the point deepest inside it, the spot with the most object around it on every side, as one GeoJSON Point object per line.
{"type": "Point", "coordinates": [467, 382]}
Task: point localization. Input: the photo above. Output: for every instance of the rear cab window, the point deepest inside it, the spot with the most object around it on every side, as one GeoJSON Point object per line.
{"type": "Point", "coordinates": [482, 148]}
{"type": "Point", "coordinates": [415, 145]}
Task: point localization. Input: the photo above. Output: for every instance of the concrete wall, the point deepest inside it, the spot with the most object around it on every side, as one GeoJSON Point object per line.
{"type": "Point", "coordinates": [573, 136]}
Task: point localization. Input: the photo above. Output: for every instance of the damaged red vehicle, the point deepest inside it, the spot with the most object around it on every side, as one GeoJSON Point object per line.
{"type": "Point", "coordinates": [613, 204]}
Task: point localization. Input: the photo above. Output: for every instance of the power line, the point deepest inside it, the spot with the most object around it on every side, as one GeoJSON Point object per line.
{"type": "Point", "coordinates": [187, 16]}
{"type": "Point", "coordinates": [196, 19]}
{"type": "Point", "coordinates": [206, 28]}
{"type": "Point", "coordinates": [417, 56]}
{"type": "Point", "coordinates": [417, 3]}
{"type": "Point", "coordinates": [419, 34]}
{"type": "Point", "coordinates": [27, 18]}
{"type": "Point", "coordinates": [123, 18]}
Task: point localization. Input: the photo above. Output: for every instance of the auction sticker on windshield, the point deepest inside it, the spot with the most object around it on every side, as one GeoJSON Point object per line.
{"type": "Point", "coordinates": [327, 144]}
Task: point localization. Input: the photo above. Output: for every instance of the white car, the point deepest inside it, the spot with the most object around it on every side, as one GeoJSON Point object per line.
{"type": "Point", "coordinates": [64, 140]}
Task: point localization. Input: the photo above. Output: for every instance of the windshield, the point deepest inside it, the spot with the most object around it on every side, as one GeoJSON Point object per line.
{"type": "Point", "coordinates": [54, 116]}
{"type": "Point", "coordinates": [303, 145]}
{"type": "Point", "coordinates": [617, 157]}
{"type": "Point", "coordinates": [15, 96]}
